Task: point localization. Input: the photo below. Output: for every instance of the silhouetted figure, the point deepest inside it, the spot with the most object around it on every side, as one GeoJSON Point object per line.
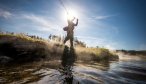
{"type": "Point", "coordinates": [70, 31]}
{"type": "Point", "coordinates": [68, 59]}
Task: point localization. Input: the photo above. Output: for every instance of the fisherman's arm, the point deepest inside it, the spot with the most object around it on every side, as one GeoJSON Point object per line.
{"type": "Point", "coordinates": [76, 23]}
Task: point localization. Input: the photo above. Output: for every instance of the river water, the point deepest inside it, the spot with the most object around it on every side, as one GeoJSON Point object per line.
{"type": "Point", "coordinates": [129, 71]}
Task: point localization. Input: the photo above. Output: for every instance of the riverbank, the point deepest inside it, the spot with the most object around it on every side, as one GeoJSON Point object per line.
{"type": "Point", "coordinates": [18, 48]}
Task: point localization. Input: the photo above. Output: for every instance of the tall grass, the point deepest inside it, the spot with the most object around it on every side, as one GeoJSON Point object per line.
{"type": "Point", "coordinates": [22, 48]}
{"type": "Point", "coordinates": [95, 54]}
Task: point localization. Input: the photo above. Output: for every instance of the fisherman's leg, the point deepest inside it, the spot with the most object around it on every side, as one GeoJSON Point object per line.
{"type": "Point", "coordinates": [71, 41]}
{"type": "Point", "coordinates": [66, 38]}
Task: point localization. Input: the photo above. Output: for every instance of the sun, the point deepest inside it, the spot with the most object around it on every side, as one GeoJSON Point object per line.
{"type": "Point", "coordinates": [71, 14]}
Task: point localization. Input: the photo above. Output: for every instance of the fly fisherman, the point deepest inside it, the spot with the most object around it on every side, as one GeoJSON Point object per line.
{"type": "Point", "coordinates": [69, 29]}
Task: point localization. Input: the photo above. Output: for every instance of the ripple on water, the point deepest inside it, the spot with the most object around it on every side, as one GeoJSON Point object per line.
{"type": "Point", "coordinates": [122, 72]}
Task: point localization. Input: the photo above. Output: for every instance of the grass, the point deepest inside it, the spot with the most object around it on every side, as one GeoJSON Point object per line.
{"type": "Point", "coordinates": [22, 48]}
{"type": "Point", "coordinates": [95, 54]}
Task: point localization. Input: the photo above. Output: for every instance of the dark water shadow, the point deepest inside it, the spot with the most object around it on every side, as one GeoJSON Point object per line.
{"type": "Point", "coordinates": [68, 58]}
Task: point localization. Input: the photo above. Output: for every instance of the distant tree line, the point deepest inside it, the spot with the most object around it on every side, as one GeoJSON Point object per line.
{"type": "Point", "coordinates": [55, 38]}
{"type": "Point", "coordinates": [22, 34]}
{"type": "Point", "coordinates": [133, 52]}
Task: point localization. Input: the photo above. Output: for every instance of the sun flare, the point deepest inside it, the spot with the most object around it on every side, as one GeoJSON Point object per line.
{"type": "Point", "coordinates": [71, 14]}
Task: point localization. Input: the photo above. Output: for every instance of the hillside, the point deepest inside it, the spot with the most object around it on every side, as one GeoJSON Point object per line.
{"type": "Point", "coordinates": [19, 48]}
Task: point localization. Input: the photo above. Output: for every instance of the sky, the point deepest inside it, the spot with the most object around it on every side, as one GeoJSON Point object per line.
{"type": "Point", "coordinates": [113, 24]}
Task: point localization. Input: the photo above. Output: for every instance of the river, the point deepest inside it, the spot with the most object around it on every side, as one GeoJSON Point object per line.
{"type": "Point", "coordinates": [129, 71]}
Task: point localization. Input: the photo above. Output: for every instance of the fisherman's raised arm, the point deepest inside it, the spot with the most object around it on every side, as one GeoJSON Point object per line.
{"type": "Point", "coordinates": [76, 23]}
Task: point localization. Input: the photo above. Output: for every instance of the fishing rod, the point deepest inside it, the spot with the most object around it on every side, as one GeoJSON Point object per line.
{"type": "Point", "coordinates": [61, 2]}
{"type": "Point", "coordinates": [67, 11]}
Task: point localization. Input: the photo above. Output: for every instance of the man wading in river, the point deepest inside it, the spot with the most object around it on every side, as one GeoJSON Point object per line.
{"type": "Point", "coordinates": [69, 29]}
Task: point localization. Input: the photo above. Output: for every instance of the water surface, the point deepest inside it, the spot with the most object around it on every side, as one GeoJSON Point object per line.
{"type": "Point", "coordinates": [119, 72]}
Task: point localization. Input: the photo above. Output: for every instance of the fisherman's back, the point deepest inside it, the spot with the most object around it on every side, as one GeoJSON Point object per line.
{"type": "Point", "coordinates": [70, 28]}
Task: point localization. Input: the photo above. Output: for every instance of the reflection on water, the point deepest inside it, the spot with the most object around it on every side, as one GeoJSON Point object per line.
{"type": "Point", "coordinates": [120, 72]}
{"type": "Point", "coordinates": [68, 59]}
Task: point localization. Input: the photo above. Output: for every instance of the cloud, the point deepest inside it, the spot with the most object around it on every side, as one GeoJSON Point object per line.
{"type": "Point", "coordinates": [103, 17]}
{"type": "Point", "coordinates": [41, 24]}
{"type": "Point", "coordinates": [5, 14]}
{"type": "Point", "coordinates": [99, 24]}
{"type": "Point", "coordinates": [36, 22]}
{"type": "Point", "coordinates": [41, 21]}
